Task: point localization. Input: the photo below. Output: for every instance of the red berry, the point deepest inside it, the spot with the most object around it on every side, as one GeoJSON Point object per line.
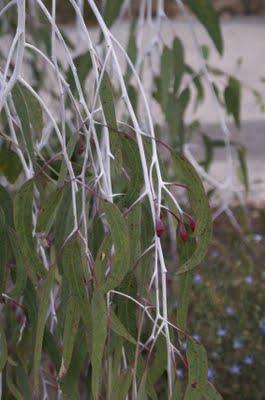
{"type": "Point", "coordinates": [159, 228]}
{"type": "Point", "coordinates": [183, 233]}
{"type": "Point", "coordinates": [192, 224]}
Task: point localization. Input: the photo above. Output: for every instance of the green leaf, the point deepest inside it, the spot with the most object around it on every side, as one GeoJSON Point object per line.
{"type": "Point", "coordinates": [21, 271]}
{"type": "Point", "coordinates": [241, 152]}
{"type": "Point", "coordinates": [10, 384]}
{"type": "Point", "coordinates": [44, 299]}
{"type": "Point", "coordinates": [23, 203]}
{"type": "Point", "coordinates": [211, 393]}
{"type": "Point", "coordinates": [6, 205]}
{"type": "Point", "coordinates": [166, 75]}
{"type": "Point", "coordinates": [120, 236]}
{"type": "Point", "coordinates": [70, 328]}
{"type": "Point", "coordinates": [3, 251]}
{"type": "Point", "coordinates": [102, 260]}
{"type": "Point", "coordinates": [131, 50]}
{"type": "Point", "coordinates": [23, 114]}
{"type": "Point", "coordinates": [179, 63]}
{"type": "Point", "coordinates": [34, 111]}
{"type": "Point", "coordinates": [99, 334]}
{"type": "Point", "coordinates": [206, 14]}
{"type": "Point", "coordinates": [135, 228]}
{"type": "Point", "coordinates": [107, 101]}
{"type": "Point", "coordinates": [121, 385]}
{"type": "Point", "coordinates": [117, 326]}
{"type": "Point", "coordinates": [185, 283]}
{"type": "Point", "coordinates": [132, 164]}
{"type": "Point", "coordinates": [201, 212]}
{"type": "Point", "coordinates": [3, 349]}
{"type": "Point", "coordinates": [70, 381]}
{"type": "Point", "coordinates": [159, 364]}
{"type": "Point", "coordinates": [10, 165]}
{"type": "Point", "coordinates": [111, 11]}
{"type": "Point", "coordinates": [83, 64]}
{"type": "Point", "coordinates": [48, 211]}
{"type": "Point", "coordinates": [232, 96]}
{"type": "Point", "coordinates": [198, 367]}
{"type": "Point", "coordinates": [74, 270]}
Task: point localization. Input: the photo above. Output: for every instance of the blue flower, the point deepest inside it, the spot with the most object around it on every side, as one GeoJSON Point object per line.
{"type": "Point", "coordinates": [234, 369]}
{"type": "Point", "coordinates": [196, 337]}
{"type": "Point", "coordinates": [197, 278]}
{"type": "Point", "coordinates": [229, 310]}
{"type": "Point", "coordinates": [180, 373]}
{"type": "Point", "coordinates": [211, 374]}
{"type": "Point", "coordinates": [262, 328]}
{"type": "Point", "coordinates": [249, 279]}
{"type": "Point", "coordinates": [214, 354]}
{"type": "Point", "coordinates": [183, 345]}
{"type": "Point", "coordinates": [214, 253]}
{"type": "Point", "coordinates": [221, 332]}
{"type": "Point", "coordinates": [249, 359]}
{"type": "Point", "coordinates": [237, 343]}
{"type": "Point", "coordinates": [257, 237]}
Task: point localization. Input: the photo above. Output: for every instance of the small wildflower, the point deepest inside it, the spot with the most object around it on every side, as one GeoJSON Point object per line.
{"type": "Point", "coordinates": [237, 344]}
{"type": "Point", "coordinates": [229, 310]}
{"type": "Point", "coordinates": [183, 345]}
{"type": "Point", "coordinates": [214, 354]}
{"type": "Point", "coordinates": [197, 278]}
{"type": "Point", "coordinates": [249, 279]}
{"type": "Point", "coordinates": [221, 332]}
{"type": "Point", "coordinates": [211, 373]}
{"type": "Point", "coordinates": [257, 237]}
{"type": "Point", "coordinates": [196, 337]}
{"type": "Point", "coordinates": [214, 253]}
{"type": "Point", "coordinates": [180, 373]}
{"type": "Point", "coordinates": [262, 328]}
{"type": "Point", "coordinates": [248, 360]}
{"type": "Point", "coordinates": [234, 369]}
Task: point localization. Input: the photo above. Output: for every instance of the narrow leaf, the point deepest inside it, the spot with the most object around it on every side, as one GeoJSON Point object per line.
{"type": "Point", "coordinates": [206, 14]}
{"type": "Point", "coordinates": [121, 385]}
{"type": "Point", "coordinates": [44, 297]}
{"type": "Point", "coordinates": [117, 326]}
{"type": "Point", "coordinates": [48, 211]}
{"type": "Point", "coordinates": [120, 236]}
{"type": "Point", "coordinates": [99, 334]}
{"type": "Point", "coordinates": [23, 203]}
{"type": "Point", "coordinates": [3, 349]}
{"type": "Point", "coordinates": [232, 97]}
{"type": "Point", "coordinates": [10, 165]}
{"type": "Point", "coordinates": [198, 367]}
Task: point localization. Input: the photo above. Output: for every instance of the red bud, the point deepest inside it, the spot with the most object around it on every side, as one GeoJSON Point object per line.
{"type": "Point", "coordinates": [81, 148]}
{"type": "Point", "coordinates": [192, 224]}
{"type": "Point", "coordinates": [159, 228]}
{"type": "Point", "coordinates": [183, 233]}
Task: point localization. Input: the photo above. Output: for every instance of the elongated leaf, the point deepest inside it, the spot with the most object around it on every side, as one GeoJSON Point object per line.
{"type": "Point", "coordinates": [23, 223]}
{"type": "Point", "coordinates": [49, 209]}
{"type": "Point", "coordinates": [120, 236]}
{"type": "Point", "coordinates": [159, 364]}
{"type": "Point", "coordinates": [44, 297]}
{"type": "Point", "coordinates": [70, 328]}
{"type": "Point", "coordinates": [201, 212]}
{"type": "Point", "coordinates": [3, 349]}
{"type": "Point", "coordinates": [211, 393]}
{"type": "Point", "coordinates": [232, 97]}
{"type": "Point", "coordinates": [75, 273]}
{"type": "Point", "coordinates": [23, 382]}
{"type": "Point", "coordinates": [185, 283]}
{"type": "Point", "coordinates": [179, 63]}
{"type": "Point", "coordinates": [166, 75]}
{"type": "Point", "coordinates": [131, 49]}
{"type": "Point", "coordinates": [21, 269]}
{"type": "Point", "coordinates": [134, 226]}
{"type": "Point", "coordinates": [83, 64]}
{"type": "Point", "coordinates": [6, 205]}
{"type": "Point", "coordinates": [111, 11]}
{"type": "Point", "coordinates": [99, 334]}
{"type": "Point", "coordinates": [132, 164]}
{"type": "Point", "coordinates": [23, 114]}
{"type": "Point", "coordinates": [206, 14]}
{"type": "Point", "coordinates": [10, 165]}
{"type": "Point", "coordinates": [34, 111]}
{"type": "Point", "coordinates": [69, 383]}
{"type": "Point", "coordinates": [3, 251]}
{"type": "Point", "coordinates": [243, 166]}
{"type": "Point", "coordinates": [117, 326]}
{"type": "Point", "coordinates": [121, 385]}
{"type": "Point", "coordinates": [102, 260]}
{"type": "Point", "coordinates": [198, 367]}
{"type": "Point", "coordinates": [11, 385]}
{"type": "Point", "coordinates": [107, 101]}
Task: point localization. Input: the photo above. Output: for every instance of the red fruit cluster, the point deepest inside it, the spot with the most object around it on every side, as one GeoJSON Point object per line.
{"type": "Point", "coordinates": [159, 227]}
